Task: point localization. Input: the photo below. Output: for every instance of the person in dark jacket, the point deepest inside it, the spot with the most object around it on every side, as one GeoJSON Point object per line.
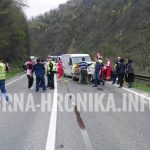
{"type": "Point", "coordinates": [116, 71]}
{"type": "Point", "coordinates": [130, 72]}
{"type": "Point", "coordinates": [126, 75]}
{"type": "Point", "coordinates": [39, 72]}
{"type": "Point", "coordinates": [98, 69]}
{"type": "Point", "coordinates": [121, 72]}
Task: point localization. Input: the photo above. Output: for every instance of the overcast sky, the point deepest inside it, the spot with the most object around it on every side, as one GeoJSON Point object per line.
{"type": "Point", "coordinates": [37, 7]}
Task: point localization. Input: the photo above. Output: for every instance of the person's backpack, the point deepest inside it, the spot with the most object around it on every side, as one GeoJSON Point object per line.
{"type": "Point", "coordinates": [130, 68]}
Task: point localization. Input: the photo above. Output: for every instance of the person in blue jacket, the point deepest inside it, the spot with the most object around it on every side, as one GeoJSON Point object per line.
{"type": "Point", "coordinates": [98, 69]}
{"type": "Point", "coordinates": [39, 70]}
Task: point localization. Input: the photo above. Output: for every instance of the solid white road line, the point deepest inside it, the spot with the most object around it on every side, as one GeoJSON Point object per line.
{"type": "Point", "coordinates": [131, 91]}
{"type": "Point", "coordinates": [51, 139]}
{"type": "Point", "coordinates": [11, 82]}
{"type": "Point", "coordinates": [141, 95]}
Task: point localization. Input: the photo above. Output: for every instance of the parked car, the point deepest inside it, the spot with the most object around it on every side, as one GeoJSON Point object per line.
{"type": "Point", "coordinates": [71, 61]}
{"type": "Point", "coordinates": [91, 71]}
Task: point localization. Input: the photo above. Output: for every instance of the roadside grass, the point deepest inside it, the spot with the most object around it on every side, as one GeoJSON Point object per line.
{"type": "Point", "coordinates": [141, 86]}
{"type": "Point", "coordinates": [13, 72]}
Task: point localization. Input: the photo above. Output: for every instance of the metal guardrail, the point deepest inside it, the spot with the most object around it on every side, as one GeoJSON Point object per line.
{"type": "Point", "coordinates": [142, 77]}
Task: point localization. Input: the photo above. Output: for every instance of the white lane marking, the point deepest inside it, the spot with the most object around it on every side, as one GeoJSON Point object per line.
{"type": "Point", "coordinates": [141, 95]}
{"type": "Point", "coordinates": [11, 82]}
{"type": "Point", "coordinates": [51, 139]}
{"type": "Point", "coordinates": [86, 140]}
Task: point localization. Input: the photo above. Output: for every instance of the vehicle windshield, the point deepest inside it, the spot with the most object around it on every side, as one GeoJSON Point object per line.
{"type": "Point", "coordinates": [77, 60]}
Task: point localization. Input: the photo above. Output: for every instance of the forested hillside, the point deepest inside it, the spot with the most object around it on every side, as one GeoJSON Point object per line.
{"type": "Point", "coordinates": [14, 35]}
{"type": "Point", "coordinates": [115, 27]}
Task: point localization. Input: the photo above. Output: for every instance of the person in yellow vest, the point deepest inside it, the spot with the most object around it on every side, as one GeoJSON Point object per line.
{"type": "Point", "coordinates": [3, 69]}
{"type": "Point", "coordinates": [47, 70]}
{"type": "Point", "coordinates": [51, 71]}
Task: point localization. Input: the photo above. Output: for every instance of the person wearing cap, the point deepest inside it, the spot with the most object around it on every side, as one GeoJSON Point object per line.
{"type": "Point", "coordinates": [3, 69]}
{"type": "Point", "coordinates": [116, 73]}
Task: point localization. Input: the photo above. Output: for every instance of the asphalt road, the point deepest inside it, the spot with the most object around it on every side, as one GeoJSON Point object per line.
{"type": "Point", "coordinates": [74, 131]}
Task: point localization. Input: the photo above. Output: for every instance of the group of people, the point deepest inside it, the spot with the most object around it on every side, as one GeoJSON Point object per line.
{"type": "Point", "coordinates": [41, 68]}
{"type": "Point", "coordinates": [124, 72]}
{"type": "Point", "coordinates": [83, 79]}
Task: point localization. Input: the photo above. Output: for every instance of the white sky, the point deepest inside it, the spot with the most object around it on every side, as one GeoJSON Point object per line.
{"type": "Point", "coordinates": [37, 7]}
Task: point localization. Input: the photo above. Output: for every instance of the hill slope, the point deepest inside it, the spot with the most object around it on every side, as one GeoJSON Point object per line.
{"type": "Point", "coordinates": [115, 27]}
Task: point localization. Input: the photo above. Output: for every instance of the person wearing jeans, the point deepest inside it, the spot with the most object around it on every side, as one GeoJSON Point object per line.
{"type": "Point", "coordinates": [98, 68]}
{"type": "Point", "coordinates": [3, 69]}
{"type": "Point", "coordinates": [40, 82]}
{"type": "Point", "coordinates": [39, 72]}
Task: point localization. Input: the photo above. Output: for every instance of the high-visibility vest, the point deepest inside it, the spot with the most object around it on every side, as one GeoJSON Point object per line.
{"type": "Point", "coordinates": [54, 66]}
{"type": "Point", "coordinates": [2, 71]}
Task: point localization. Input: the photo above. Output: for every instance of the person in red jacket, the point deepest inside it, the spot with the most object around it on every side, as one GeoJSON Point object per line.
{"type": "Point", "coordinates": [60, 70]}
{"type": "Point", "coordinates": [108, 69]}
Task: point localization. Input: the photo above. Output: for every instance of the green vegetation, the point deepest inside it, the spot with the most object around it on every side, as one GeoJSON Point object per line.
{"type": "Point", "coordinates": [14, 35]}
{"type": "Point", "coordinates": [114, 27]}
{"type": "Point", "coordinates": [142, 87]}
{"type": "Point", "coordinates": [13, 72]}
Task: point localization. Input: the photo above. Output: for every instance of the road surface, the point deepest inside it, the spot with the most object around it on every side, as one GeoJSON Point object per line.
{"type": "Point", "coordinates": [63, 130]}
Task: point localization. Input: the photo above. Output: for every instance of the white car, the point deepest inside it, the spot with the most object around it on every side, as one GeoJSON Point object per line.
{"type": "Point", "coordinates": [91, 71]}
{"type": "Point", "coordinates": [71, 62]}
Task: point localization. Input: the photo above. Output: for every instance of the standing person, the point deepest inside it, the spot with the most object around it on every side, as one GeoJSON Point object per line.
{"type": "Point", "coordinates": [39, 72]}
{"type": "Point", "coordinates": [126, 74]}
{"type": "Point", "coordinates": [108, 69]}
{"type": "Point", "coordinates": [51, 71]}
{"type": "Point", "coordinates": [3, 69]}
{"type": "Point", "coordinates": [98, 69]}
{"type": "Point", "coordinates": [60, 70]}
{"type": "Point", "coordinates": [83, 72]}
{"type": "Point", "coordinates": [116, 73]}
{"type": "Point", "coordinates": [47, 70]}
{"type": "Point", "coordinates": [121, 72]}
{"type": "Point", "coordinates": [130, 72]}
{"type": "Point", "coordinates": [29, 67]}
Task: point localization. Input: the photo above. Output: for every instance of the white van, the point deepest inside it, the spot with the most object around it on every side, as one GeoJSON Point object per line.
{"type": "Point", "coordinates": [70, 61]}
